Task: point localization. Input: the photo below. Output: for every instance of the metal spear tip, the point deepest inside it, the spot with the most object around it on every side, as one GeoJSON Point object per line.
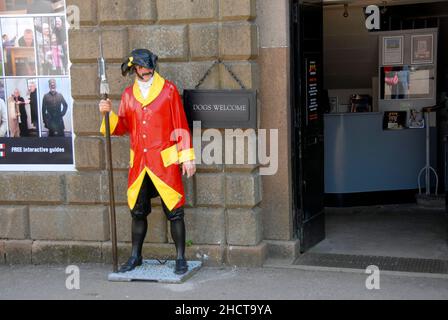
{"type": "Point", "coordinates": [104, 88]}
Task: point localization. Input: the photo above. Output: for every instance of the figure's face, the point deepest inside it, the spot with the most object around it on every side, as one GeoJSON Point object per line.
{"type": "Point", "coordinates": [32, 87]}
{"type": "Point", "coordinates": [58, 22]}
{"type": "Point", "coordinates": [45, 29]}
{"type": "Point", "coordinates": [28, 37]}
{"type": "Point", "coordinates": [144, 73]}
{"type": "Point", "coordinates": [52, 85]}
{"type": "Point", "coordinates": [16, 93]}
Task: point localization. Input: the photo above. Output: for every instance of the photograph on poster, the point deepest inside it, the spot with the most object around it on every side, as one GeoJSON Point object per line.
{"type": "Point", "coordinates": [18, 47]}
{"type": "Point", "coordinates": [55, 105]}
{"type": "Point", "coordinates": [393, 50]}
{"type": "Point", "coordinates": [23, 114]}
{"type": "Point", "coordinates": [51, 39]}
{"type": "Point", "coordinates": [3, 112]}
{"type": "Point", "coordinates": [422, 49]}
{"type": "Point", "coordinates": [31, 6]}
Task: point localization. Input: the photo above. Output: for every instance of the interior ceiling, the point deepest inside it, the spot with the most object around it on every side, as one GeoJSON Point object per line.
{"type": "Point", "coordinates": [378, 2]}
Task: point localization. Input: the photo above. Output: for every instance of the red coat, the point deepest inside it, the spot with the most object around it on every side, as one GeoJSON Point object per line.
{"type": "Point", "coordinates": [160, 139]}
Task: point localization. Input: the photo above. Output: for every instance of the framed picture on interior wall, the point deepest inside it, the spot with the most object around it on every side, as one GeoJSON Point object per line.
{"type": "Point", "coordinates": [393, 50]}
{"type": "Point", "coordinates": [422, 48]}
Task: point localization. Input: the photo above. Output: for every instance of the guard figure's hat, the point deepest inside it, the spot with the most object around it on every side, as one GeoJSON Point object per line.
{"type": "Point", "coordinates": [139, 57]}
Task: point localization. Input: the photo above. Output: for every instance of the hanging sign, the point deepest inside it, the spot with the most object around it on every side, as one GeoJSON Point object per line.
{"type": "Point", "coordinates": [222, 108]}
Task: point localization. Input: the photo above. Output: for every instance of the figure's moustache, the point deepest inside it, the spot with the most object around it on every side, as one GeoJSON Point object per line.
{"type": "Point", "coordinates": [143, 75]}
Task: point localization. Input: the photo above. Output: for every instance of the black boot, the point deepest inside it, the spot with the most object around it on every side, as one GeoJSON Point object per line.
{"type": "Point", "coordinates": [131, 264]}
{"type": "Point", "coordinates": [178, 235]}
{"type": "Point", "coordinates": [181, 266]}
{"type": "Point", "coordinates": [139, 229]}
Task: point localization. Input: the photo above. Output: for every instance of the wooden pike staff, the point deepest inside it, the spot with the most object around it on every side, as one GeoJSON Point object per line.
{"type": "Point", "coordinates": [104, 91]}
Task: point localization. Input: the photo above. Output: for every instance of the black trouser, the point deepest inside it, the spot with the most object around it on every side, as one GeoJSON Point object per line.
{"type": "Point", "coordinates": [143, 206]}
{"type": "Point", "coordinates": [140, 222]}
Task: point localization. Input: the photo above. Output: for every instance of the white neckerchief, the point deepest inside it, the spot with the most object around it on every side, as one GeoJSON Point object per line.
{"type": "Point", "coordinates": [145, 87]}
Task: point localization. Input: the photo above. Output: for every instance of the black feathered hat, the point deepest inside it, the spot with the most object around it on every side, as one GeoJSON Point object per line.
{"type": "Point", "coordinates": [138, 57]}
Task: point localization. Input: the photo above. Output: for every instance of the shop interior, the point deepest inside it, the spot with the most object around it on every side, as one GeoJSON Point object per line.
{"type": "Point", "coordinates": [385, 94]}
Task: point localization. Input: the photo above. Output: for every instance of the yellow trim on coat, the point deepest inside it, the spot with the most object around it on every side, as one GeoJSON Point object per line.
{"type": "Point", "coordinates": [154, 92]}
{"type": "Point", "coordinates": [169, 196]}
{"type": "Point", "coordinates": [170, 156]}
{"type": "Point", "coordinates": [186, 155]}
{"type": "Point", "coordinates": [131, 159]}
{"type": "Point", "coordinates": [113, 121]}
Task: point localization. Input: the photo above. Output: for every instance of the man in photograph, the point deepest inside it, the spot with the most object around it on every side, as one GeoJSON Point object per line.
{"type": "Point", "coordinates": [54, 108]}
{"type": "Point", "coordinates": [32, 90]}
{"type": "Point", "coordinates": [27, 40]}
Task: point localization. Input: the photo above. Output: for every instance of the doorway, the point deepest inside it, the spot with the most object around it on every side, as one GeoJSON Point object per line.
{"type": "Point", "coordinates": [383, 222]}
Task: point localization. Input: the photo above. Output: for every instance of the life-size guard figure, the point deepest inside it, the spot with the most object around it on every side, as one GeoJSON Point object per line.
{"type": "Point", "coordinates": [151, 112]}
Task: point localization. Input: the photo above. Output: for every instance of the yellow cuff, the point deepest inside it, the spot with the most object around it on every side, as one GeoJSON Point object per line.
{"type": "Point", "coordinates": [186, 155]}
{"type": "Point", "coordinates": [170, 156]}
{"type": "Point", "coordinates": [113, 121]}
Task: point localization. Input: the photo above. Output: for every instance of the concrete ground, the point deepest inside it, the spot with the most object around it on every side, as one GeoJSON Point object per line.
{"type": "Point", "coordinates": [43, 282]}
{"type": "Point", "coordinates": [395, 231]}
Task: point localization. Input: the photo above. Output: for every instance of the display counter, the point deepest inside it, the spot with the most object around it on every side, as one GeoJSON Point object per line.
{"type": "Point", "coordinates": [361, 157]}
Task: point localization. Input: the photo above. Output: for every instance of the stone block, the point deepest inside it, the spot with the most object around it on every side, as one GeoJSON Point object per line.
{"type": "Point", "coordinates": [187, 75]}
{"type": "Point", "coordinates": [87, 118]}
{"type": "Point", "coordinates": [18, 252]}
{"type": "Point", "coordinates": [82, 223]}
{"type": "Point", "coordinates": [84, 188]}
{"type": "Point", "coordinates": [120, 153]}
{"type": "Point", "coordinates": [243, 190]}
{"type": "Point", "coordinates": [186, 11]}
{"type": "Point", "coordinates": [123, 252]}
{"type": "Point", "coordinates": [204, 41]}
{"type": "Point", "coordinates": [115, 44]}
{"type": "Point", "coordinates": [14, 223]}
{"type": "Point", "coordinates": [167, 42]}
{"type": "Point", "coordinates": [157, 227]}
{"type": "Point", "coordinates": [89, 153]}
{"type": "Point", "coordinates": [244, 227]}
{"type": "Point", "coordinates": [84, 81]}
{"type": "Point", "coordinates": [78, 39]}
{"type": "Point", "coordinates": [250, 257]}
{"type": "Point", "coordinates": [238, 41]}
{"type": "Point", "coordinates": [246, 72]}
{"type": "Point", "coordinates": [203, 226]}
{"type": "Point", "coordinates": [288, 250]}
{"type": "Point", "coordinates": [127, 12]}
{"type": "Point", "coordinates": [87, 11]}
{"type": "Point", "coordinates": [189, 191]}
{"type": "Point", "coordinates": [120, 187]}
{"type": "Point", "coordinates": [237, 9]}
{"type": "Point", "coordinates": [31, 188]}
{"type": "Point", "coordinates": [2, 252]}
{"type": "Point", "coordinates": [66, 252]}
{"type": "Point", "coordinates": [210, 189]}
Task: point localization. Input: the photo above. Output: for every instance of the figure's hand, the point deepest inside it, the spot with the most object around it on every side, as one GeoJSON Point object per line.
{"type": "Point", "coordinates": [189, 168]}
{"type": "Point", "coordinates": [105, 106]}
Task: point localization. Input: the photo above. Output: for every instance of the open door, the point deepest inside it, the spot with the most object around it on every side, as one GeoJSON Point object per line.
{"type": "Point", "coordinates": [307, 122]}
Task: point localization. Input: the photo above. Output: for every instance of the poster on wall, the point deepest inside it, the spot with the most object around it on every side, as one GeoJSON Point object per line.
{"type": "Point", "coordinates": [36, 128]}
{"type": "Point", "coordinates": [393, 50]}
{"type": "Point", "coordinates": [312, 91]}
{"type": "Point", "coordinates": [422, 49]}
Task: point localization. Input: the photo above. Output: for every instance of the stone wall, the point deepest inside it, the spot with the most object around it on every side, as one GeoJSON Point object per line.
{"type": "Point", "coordinates": [63, 217]}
